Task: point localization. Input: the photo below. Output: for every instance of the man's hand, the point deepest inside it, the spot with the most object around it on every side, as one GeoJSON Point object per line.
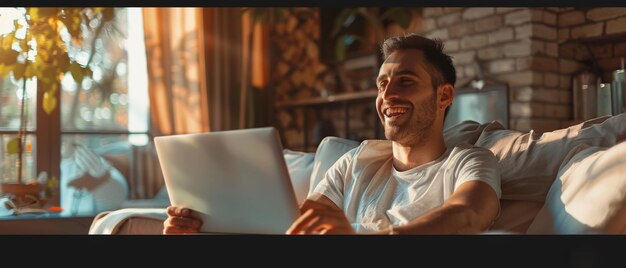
{"type": "Point", "coordinates": [320, 218]}
{"type": "Point", "coordinates": [180, 221]}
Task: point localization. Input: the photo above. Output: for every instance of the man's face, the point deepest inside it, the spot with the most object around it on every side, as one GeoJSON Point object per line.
{"type": "Point", "coordinates": [406, 102]}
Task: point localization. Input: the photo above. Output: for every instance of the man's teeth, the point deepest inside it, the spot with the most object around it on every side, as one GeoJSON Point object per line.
{"type": "Point", "coordinates": [393, 111]}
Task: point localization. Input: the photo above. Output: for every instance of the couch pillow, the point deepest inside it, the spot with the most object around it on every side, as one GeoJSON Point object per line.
{"type": "Point", "coordinates": [589, 195]}
{"type": "Point", "coordinates": [530, 161]}
{"type": "Point", "coordinates": [107, 194]}
{"type": "Point", "coordinates": [467, 131]}
{"type": "Point", "coordinates": [300, 166]}
{"type": "Point", "coordinates": [328, 152]}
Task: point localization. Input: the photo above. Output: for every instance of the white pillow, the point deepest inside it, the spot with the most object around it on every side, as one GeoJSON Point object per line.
{"type": "Point", "coordinates": [529, 161]}
{"type": "Point", "coordinates": [328, 151]}
{"type": "Point", "coordinates": [300, 166]}
{"type": "Point", "coordinates": [107, 196]}
{"type": "Point", "coordinates": [467, 131]}
{"type": "Point", "coordinates": [589, 195]}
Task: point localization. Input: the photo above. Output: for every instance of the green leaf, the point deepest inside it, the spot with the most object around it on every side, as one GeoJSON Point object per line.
{"type": "Point", "coordinates": [13, 146]}
{"type": "Point", "coordinates": [17, 25]}
{"type": "Point", "coordinates": [344, 19]}
{"type": "Point", "coordinates": [18, 71]}
{"type": "Point", "coordinates": [8, 57]}
{"type": "Point", "coordinates": [77, 72]}
{"type": "Point", "coordinates": [24, 45]}
{"type": "Point", "coordinates": [401, 16]}
{"type": "Point", "coordinates": [5, 70]}
{"type": "Point", "coordinates": [7, 41]}
{"type": "Point", "coordinates": [31, 70]}
{"type": "Point", "coordinates": [49, 102]}
{"type": "Point", "coordinates": [42, 14]}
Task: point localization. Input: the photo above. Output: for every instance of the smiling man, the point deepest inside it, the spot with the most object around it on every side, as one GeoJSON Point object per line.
{"type": "Point", "coordinates": [410, 183]}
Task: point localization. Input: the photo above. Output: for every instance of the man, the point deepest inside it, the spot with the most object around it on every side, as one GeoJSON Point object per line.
{"type": "Point", "coordinates": [411, 183]}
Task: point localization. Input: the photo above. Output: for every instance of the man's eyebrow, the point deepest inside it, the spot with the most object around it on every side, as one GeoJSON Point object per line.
{"type": "Point", "coordinates": [405, 72]}
{"type": "Point", "coordinates": [402, 72]}
{"type": "Point", "coordinates": [380, 77]}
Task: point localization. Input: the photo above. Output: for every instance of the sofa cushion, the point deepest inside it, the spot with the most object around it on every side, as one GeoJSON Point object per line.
{"type": "Point", "coordinates": [465, 132]}
{"type": "Point", "coordinates": [589, 195]}
{"type": "Point", "coordinates": [300, 167]}
{"type": "Point", "coordinates": [328, 151]}
{"type": "Point", "coordinates": [530, 161]}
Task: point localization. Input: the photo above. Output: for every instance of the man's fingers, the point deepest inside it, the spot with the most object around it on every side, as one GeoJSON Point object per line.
{"type": "Point", "coordinates": [184, 222]}
{"type": "Point", "coordinates": [171, 211]}
{"type": "Point", "coordinates": [178, 211]}
{"type": "Point", "coordinates": [178, 230]}
{"type": "Point", "coordinates": [315, 221]}
{"type": "Point", "coordinates": [296, 226]}
{"type": "Point", "coordinates": [310, 204]}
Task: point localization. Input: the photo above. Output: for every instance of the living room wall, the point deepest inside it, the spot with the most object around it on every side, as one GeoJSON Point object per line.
{"type": "Point", "coordinates": [535, 51]}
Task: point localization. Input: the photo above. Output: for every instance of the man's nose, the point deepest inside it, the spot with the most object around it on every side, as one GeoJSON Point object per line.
{"type": "Point", "coordinates": [389, 92]}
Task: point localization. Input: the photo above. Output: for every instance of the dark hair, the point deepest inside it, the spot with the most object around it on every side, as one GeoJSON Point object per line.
{"type": "Point", "coordinates": [437, 61]}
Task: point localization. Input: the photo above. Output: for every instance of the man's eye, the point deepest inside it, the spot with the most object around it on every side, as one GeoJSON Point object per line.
{"type": "Point", "coordinates": [406, 82]}
{"type": "Point", "coordinates": [382, 85]}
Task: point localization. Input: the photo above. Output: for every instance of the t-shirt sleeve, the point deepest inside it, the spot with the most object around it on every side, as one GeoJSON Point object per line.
{"type": "Point", "coordinates": [480, 164]}
{"type": "Point", "coordinates": [332, 185]}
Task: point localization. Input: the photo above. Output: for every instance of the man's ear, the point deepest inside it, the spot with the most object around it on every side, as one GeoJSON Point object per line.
{"type": "Point", "coordinates": [445, 95]}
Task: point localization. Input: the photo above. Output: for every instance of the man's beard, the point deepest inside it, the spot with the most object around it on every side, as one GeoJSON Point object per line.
{"type": "Point", "coordinates": [413, 131]}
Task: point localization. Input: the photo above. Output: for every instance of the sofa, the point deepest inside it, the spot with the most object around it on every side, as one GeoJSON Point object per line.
{"type": "Point", "coordinates": [567, 181]}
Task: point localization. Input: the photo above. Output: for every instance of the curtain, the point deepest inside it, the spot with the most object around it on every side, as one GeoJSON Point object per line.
{"type": "Point", "coordinates": [196, 57]}
{"type": "Point", "coordinates": [174, 40]}
{"type": "Point", "coordinates": [223, 46]}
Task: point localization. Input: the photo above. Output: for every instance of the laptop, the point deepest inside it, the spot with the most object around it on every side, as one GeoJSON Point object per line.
{"type": "Point", "coordinates": [236, 181]}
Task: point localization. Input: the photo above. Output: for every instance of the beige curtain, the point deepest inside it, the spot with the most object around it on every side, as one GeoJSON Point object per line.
{"type": "Point", "coordinates": [223, 41]}
{"type": "Point", "coordinates": [174, 40]}
{"type": "Point", "coordinates": [195, 62]}
{"type": "Point", "coordinates": [176, 69]}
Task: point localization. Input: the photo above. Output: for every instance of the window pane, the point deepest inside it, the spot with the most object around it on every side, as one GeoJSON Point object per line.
{"type": "Point", "coordinates": [8, 167]}
{"type": "Point", "coordinates": [11, 92]}
{"type": "Point", "coordinates": [102, 102]}
{"type": "Point", "coordinates": [109, 195]}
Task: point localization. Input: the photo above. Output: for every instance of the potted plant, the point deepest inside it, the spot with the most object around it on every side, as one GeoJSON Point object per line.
{"type": "Point", "coordinates": [37, 47]}
{"type": "Point", "coordinates": [344, 38]}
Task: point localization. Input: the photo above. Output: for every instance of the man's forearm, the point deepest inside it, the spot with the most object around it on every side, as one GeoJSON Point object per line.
{"type": "Point", "coordinates": [452, 219]}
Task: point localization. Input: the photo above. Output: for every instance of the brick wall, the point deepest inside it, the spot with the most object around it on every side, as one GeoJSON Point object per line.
{"type": "Point", "coordinates": [536, 51]}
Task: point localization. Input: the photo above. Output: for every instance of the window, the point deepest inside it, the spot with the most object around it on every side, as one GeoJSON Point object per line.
{"type": "Point", "coordinates": [107, 112]}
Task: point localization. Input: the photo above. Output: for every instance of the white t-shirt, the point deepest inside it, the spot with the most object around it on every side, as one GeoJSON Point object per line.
{"type": "Point", "coordinates": [374, 195]}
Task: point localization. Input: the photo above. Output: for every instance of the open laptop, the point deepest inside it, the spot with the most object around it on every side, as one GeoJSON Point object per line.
{"type": "Point", "coordinates": [237, 181]}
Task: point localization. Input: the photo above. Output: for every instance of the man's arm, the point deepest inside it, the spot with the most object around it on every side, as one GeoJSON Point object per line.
{"type": "Point", "coordinates": [471, 209]}
{"type": "Point", "coordinates": [320, 215]}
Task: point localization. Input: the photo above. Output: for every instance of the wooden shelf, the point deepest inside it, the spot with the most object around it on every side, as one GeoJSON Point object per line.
{"type": "Point", "coordinates": [316, 102]}
{"type": "Point", "coordinates": [352, 96]}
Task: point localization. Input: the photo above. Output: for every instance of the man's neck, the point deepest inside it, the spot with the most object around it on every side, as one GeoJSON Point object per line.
{"type": "Point", "coordinates": [428, 149]}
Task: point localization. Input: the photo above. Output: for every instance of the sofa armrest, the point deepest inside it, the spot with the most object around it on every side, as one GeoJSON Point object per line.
{"type": "Point", "coordinates": [129, 221]}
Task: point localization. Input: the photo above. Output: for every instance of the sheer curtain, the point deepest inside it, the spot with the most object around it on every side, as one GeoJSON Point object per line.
{"type": "Point", "coordinates": [174, 39]}
{"type": "Point", "coordinates": [196, 63]}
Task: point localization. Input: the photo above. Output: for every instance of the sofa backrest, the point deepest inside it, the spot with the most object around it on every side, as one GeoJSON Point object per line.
{"type": "Point", "coordinates": [589, 194]}
{"type": "Point", "coordinates": [529, 161]}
